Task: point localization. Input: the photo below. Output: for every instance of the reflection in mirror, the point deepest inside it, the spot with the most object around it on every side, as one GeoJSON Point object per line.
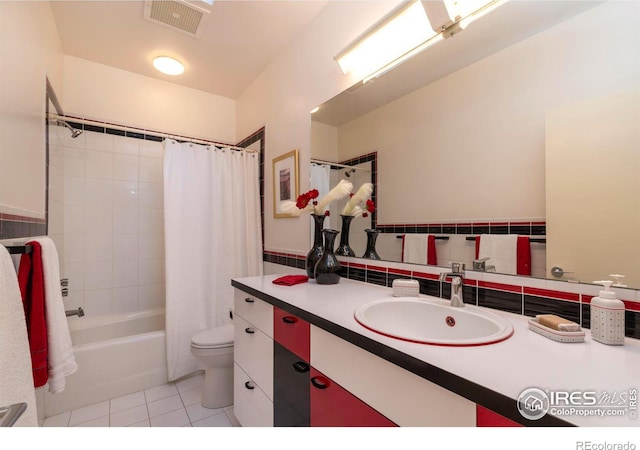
{"type": "Point", "coordinates": [359, 170]}
{"type": "Point", "coordinates": [460, 134]}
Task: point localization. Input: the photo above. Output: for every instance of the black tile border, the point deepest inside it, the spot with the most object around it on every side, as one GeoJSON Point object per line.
{"type": "Point", "coordinates": [474, 392]}
{"type": "Point", "coordinates": [502, 227]}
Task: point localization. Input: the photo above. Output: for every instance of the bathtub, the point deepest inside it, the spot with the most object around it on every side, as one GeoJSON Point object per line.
{"type": "Point", "coordinates": [116, 355]}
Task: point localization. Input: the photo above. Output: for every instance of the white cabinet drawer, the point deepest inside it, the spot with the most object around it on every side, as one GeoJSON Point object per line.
{"type": "Point", "coordinates": [251, 406]}
{"type": "Point", "coordinates": [253, 351]}
{"type": "Point", "coordinates": [255, 311]}
{"type": "Point", "coordinates": [407, 399]}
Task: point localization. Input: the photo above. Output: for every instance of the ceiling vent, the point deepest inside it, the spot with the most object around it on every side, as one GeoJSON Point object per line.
{"type": "Point", "coordinates": [187, 17]}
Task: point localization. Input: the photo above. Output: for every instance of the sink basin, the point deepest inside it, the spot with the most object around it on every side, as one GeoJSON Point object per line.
{"type": "Point", "coordinates": [433, 322]}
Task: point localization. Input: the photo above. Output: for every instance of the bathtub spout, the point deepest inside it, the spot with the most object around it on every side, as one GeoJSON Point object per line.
{"type": "Point", "coordinates": [74, 312]}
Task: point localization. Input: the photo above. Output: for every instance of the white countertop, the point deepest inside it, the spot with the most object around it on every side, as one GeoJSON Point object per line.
{"type": "Point", "coordinates": [525, 360]}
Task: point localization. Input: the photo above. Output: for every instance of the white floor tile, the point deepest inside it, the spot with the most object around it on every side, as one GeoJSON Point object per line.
{"type": "Point", "coordinates": [217, 420]}
{"type": "Point", "coordinates": [177, 418]}
{"type": "Point", "coordinates": [127, 402]}
{"type": "Point", "coordinates": [59, 420]}
{"type": "Point", "coordinates": [197, 412]}
{"type": "Point", "coordinates": [191, 397]}
{"type": "Point", "coordinates": [164, 391]}
{"type": "Point", "coordinates": [99, 422]}
{"type": "Point", "coordinates": [232, 418]}
{"type": "Point", "coordinates": [144, 423]}
{"type": "Point", "coordinates": [165, 405]}
{"type": "Point", "coordinates": [129, 416]}
{"type": "Point", "coordinates": [190, 383]}
{"type": "Point", "coordinates": [88, 413]}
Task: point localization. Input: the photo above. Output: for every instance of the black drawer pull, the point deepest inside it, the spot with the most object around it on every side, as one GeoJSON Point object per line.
{"type": "Point", "coordinates": [249, 300]}
{"type": "Point", "coordinates": [289, 319]}
{"type": "Point", "coordinates": [320, 382]}
{"type": "Point", "coordinates": [249, 330]}
{"type": "Point", "coordinates": [300, 366]}
{"type": "Point", "coordinates": [249, 385]}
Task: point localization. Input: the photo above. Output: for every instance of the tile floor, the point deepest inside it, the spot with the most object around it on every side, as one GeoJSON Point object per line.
{"type": "Point", "coordinates": [171, 405]}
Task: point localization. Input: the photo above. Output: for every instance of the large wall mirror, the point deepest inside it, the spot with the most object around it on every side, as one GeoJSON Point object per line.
{"type": "Point", "coordinates": [524, 123]}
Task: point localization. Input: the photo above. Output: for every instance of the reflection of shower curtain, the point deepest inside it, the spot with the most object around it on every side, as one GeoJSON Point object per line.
{"type": "Point", "coordinates": [212, 234]}
{"type": "Point", "coordinates": [319, 180]}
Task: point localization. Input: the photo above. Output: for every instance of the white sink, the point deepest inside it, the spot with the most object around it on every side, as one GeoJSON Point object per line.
{"type": "Point", "coordinates": [433, 321]}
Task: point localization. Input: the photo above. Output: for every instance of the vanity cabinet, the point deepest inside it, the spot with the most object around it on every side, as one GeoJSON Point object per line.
{"type": "Point", "coordinates": [404, 398]}
{"type": "Point", "coordinates": [253, 361]}
{"type": "Point", "coordinates": [334, 406]}
{"type": "Point", "coordinates": [291, 401]}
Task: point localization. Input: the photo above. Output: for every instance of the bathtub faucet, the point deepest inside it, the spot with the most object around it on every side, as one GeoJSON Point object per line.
{"type": "Point", "coordinates": [74, 312]}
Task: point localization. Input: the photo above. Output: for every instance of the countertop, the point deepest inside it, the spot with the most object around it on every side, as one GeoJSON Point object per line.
{"type": "Point", "coordinates": [491, 375]}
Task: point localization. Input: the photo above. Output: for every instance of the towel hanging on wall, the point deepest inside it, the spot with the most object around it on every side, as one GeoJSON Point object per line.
{"type": "Point", "coordinates": [419, 249]}
{"type": "Point", "coordinates": [31, 282]}
{"type": "Point", "coordinates": [507, 252]}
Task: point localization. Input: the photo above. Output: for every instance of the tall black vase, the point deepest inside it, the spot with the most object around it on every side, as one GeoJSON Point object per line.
{"type": "Point", "coordinates": [370, 252]}
{"type": "Point", "coordinates": [344, 249]}
{"type": "Point", "coordinates": [327, 267]}
{"type": "Point", "coordinates": [316, 251]}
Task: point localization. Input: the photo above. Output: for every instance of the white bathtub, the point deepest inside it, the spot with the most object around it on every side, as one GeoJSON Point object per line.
{"type": "Point", "coordinates": [117, 355]}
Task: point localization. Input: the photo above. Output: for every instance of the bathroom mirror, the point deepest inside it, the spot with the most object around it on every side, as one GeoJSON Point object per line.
{"type": "Point", "coordinates": [460, 133]}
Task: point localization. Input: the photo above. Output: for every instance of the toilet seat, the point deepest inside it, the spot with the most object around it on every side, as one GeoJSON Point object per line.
{"type": "Point", "coordinates": [216, 337]}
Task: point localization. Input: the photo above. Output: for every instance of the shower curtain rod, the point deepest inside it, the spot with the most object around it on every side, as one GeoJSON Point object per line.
{"type": "Point", "coordinates": [319, 161]}
{"type": "Point", "coordinates": [150, 132]}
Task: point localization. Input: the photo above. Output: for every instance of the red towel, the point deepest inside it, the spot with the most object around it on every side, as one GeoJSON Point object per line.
{"type": "Point", "coordinates": [524, 256]}
{"type": "Point", "coordinates": [290, 280]}
{"type": "Point", "coordinates": [523, 249]}
{"type": "Point", "coordinates": [31, 281]}
{"type": "Point", "coordinates": [432, 257]}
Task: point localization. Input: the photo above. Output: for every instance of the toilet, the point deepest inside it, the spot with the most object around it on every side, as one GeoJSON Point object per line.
{"type": "Point", "coordinates": [213, 348]}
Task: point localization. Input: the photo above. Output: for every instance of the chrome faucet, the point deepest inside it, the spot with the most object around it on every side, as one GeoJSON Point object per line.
{"type": "Point", "coordinates": [481, 265]}
{"type": "Point", "coordinates": [457, 275]}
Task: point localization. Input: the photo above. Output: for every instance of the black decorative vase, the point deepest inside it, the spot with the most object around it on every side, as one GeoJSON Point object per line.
{"type": "Point", "coordinates": [344, 249]}
{"type": "Point", "coordinates": [327, 267]}
{"type": "Point", "coordinates": [316, 251]}
{"type": "Point", "coordinates": [370, 252]}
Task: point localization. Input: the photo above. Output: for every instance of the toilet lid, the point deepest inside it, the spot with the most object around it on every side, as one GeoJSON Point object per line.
{"type": "Point", "coordinates": [221, 336]}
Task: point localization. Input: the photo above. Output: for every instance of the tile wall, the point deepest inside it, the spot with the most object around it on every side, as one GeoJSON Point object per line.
{"type": "Point", "coordinates": [113, 249]}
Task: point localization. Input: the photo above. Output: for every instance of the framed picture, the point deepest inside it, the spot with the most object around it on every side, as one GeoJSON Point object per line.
{"type": "Point", "coordinates": [285, 181]}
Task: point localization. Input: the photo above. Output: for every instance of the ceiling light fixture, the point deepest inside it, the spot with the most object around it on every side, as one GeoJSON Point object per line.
{"type": "Point", "coordinates": [168, 65]}
{"type": "Point", "coordinates": [407, 32]}
{"type": "Point", "coordinates": [398, 33]}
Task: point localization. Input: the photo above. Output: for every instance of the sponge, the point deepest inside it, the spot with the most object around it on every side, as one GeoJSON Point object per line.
{"type": "Point", "coordinates": [557, 323]}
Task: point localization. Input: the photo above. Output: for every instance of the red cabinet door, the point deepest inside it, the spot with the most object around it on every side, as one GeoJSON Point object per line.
{"type": "Point", "coordinates": [334, 406]}
{"type": "Point", "coordinates": [487, 418]}
{"type": "Point", "coordinates": [292, 333]}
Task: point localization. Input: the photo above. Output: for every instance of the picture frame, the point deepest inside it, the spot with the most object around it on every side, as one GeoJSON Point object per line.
{"type": "Point", "coordinates": [285, 181]}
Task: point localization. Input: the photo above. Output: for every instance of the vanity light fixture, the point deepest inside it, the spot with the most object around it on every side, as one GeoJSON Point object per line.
{"type": "Point", "coordinates": [314, 110]}
{"type": "Point", "coordinates": [398, 33]}
{"type": "Point", "coordinates": [168, 65]}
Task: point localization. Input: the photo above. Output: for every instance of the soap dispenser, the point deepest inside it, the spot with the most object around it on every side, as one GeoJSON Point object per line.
{"type": "Point", "coordinates": [607, 316]}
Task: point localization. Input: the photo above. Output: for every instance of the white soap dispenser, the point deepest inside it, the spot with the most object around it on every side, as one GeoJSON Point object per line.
{"type": "Point", "coordinates": [607, 316]}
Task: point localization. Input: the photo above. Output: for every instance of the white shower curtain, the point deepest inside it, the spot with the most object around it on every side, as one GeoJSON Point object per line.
{"type": "Point", "coordinates": [212, 234]}
{"type": "Point", "coordinates": [319, 180]}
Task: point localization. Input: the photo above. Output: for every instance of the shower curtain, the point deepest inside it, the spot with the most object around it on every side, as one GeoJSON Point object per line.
{"type": "Point", "coordinates": [319, 180]}
{"type": "Point", "coordinates": [212, 234]}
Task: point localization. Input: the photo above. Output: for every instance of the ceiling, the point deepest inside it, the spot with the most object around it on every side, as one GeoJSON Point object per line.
{"type": "Point", "coordinates": [512, 22]}
{"type": "Point", "coordinates": [237, 42]}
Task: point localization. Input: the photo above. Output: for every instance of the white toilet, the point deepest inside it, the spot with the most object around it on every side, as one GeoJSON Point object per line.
{"type": "Point", "coordinates": [213, 348]}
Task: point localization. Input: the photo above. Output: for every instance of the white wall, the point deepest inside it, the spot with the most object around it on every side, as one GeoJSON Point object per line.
{"type": "Point", "coordinates": [478, 134]}
{"type": "Point", "coordinates": [305, 75]}
{"type": "Point", "coordinates": [30, 51]}
{"type": "Point", "coordinates": [104, 93]}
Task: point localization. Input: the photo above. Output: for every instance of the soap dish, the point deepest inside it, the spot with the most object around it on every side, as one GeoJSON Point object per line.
{"type": "Point", "coordinates": [556, 335]}
{"type": "Point", "coordinates": [405, 288]}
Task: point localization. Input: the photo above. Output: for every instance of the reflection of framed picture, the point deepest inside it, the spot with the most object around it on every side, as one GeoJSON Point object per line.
{"type": "Point", "coordinates": [285, 181]}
